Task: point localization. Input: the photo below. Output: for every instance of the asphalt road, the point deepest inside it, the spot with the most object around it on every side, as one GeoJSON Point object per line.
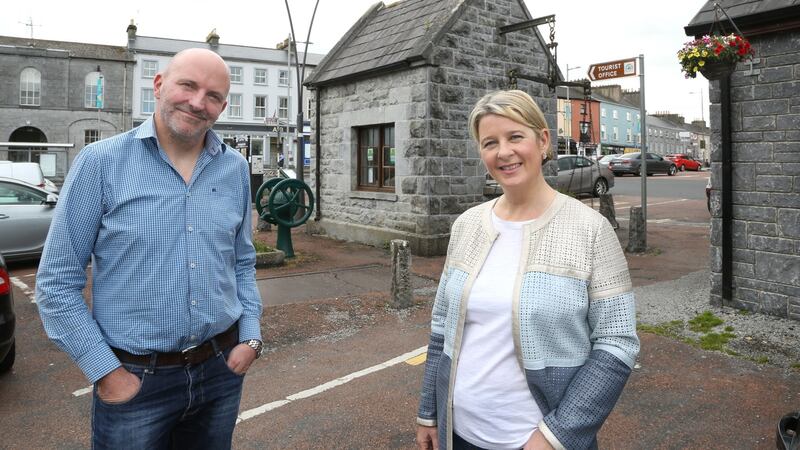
{"type": "Point", "coordinates": [689, 185]}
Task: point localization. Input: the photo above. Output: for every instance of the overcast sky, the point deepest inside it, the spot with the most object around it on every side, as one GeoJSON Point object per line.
{"type": "Point", "coordinates": [587, 32]}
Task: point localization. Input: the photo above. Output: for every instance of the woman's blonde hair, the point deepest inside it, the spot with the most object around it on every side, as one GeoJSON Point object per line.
{"type": "Point", "coordinates": [513, 104]}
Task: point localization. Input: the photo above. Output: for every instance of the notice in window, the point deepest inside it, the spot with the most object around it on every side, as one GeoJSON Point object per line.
{"type": "Point", "coordinates": [370, 155]}
{"type": "Point", "coordinates": [391, 156]}
{"type": "Point", "coordinates": [370, 175]}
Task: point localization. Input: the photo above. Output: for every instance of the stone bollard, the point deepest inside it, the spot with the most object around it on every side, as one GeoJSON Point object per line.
{"type": "Point", "coordinates": [637, 236]}
{"type": "Point", "coordinates": [607, 209]}
{"type": "Point", "coordinates": [401, 274]}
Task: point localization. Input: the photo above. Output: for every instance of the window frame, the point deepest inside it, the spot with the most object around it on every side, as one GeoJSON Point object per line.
{"type": "Point", "coordinates": [256, 108]}
{"type": "Point", "coordinates": [381, 185]}
{"type": "Point", "coordinates": [147, 99]}
{"type": "Point", "coordinates": [257, 75]}
{"type": "Point", "coordinates": [146, 71]}
{"type": "Point", "coordinates": [284, 78]}
{"type": "Point", "coordinates": [232, 105]}
{"type": "Point", "coordinates": [239, 77]}
{"type": "Point", "coordinates": [30, 87]}
{"type": "Point", "coordinates": [91, 135]}
{"type": "Point", "coordinates": [283, 111]}
{"type": "Point", "coordinates": [90, 91]}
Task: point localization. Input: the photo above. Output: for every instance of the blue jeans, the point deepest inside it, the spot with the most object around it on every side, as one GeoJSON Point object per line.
{"type": "Point", "coordinates": [177, 407]}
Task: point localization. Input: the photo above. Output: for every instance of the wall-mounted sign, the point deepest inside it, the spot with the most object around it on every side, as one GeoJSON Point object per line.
{"type": "Point", "coordinates": [612, 69]}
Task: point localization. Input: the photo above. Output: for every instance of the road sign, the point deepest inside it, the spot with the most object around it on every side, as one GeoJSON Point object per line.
{"type": "Point", "coordinates": [612, 69]}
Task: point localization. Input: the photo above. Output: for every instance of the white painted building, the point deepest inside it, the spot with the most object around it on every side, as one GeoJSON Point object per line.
{"type": "Point", "coordinates": [263, 86]}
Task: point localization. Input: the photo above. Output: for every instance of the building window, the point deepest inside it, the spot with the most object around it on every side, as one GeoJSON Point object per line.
{"type": "Point", "coordinates": [260, 107]}
{"type": "Point", "coordinates": [149, 69]}
{"type": "Point", "coordinates": [148, 101]}
{"type": "Point", "coordinates": [309, 105]}
{"type": "Point", "coordinates": [602, 112]}
{"type": "Point", "coordinates": [90, 136]}
{"type": "Point", "coordinates": [283, 107]}
{"type": "Point", "coordinates": [614, 114]}
{"type": "Point", "coordinates": [30, 86]}
{"type": "Point", "coordinates": [602, 132]}
{"type": "Point", "coordinates": [583, 108]}
{"type": "Point", "coordinates": [628, 116]}
{"type": "Point", "coordinates": [283, 78]}
{"type": "Point", "coordinates": [615, 136]}
{"type": "Point", "coordinates": [260, 76]}
{"type": "Point", "coordinates": [638, 138]}
{"type": "Point", "coordinates": [235, 105]}
{"type": "Point", "coordinates": [630, 135]}
{"type": "Point", "coordinates": [376, 157]}
{"type": "Point", "coordinates": [236, 75]}
{"type": "Point", "coordinates": [93, 90]}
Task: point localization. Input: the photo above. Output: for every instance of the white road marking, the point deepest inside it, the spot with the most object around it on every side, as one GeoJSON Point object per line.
{"type": "Point", "coordinates": [83, 391]}
{"type": "Point", "coordinates": [659, 203]}
{"type": "Point", "coordinates": [25, 288]}
{"type": "Point", "coordinates": [250, 413]}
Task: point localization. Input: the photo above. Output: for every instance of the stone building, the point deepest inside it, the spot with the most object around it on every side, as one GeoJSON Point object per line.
{"type": "Point", "coordinates": [755, 229]}
{"type": "Point", "coordinates": [393, 154]}
{"type": "Point", "coordinates": [49, 94]}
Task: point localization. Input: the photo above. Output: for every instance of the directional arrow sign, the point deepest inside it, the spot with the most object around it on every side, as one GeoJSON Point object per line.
{"type": "Point", "coordinates": [612, 69]}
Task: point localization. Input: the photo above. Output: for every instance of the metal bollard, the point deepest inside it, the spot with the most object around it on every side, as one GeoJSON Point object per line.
{"type": "Point", "coordinates": [607, 209]}
{"type": "Point", "coordinates": [401, 274]}
{"type": "Point", "coordinates": [637, 234]}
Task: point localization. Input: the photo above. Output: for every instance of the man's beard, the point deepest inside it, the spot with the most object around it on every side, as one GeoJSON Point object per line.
{"type": "Point", "coordinates": [170, 119]}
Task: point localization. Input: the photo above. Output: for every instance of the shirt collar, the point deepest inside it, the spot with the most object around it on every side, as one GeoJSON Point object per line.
{"type": "Point", "coordinates": [213, 143]}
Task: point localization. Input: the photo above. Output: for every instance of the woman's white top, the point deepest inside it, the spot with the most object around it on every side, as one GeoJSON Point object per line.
{"type": "Point", "coordinates": [492, 405]}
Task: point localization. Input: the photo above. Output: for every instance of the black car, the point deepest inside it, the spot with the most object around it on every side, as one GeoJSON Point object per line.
{"type": "Point", "coordinates": [632, 163]}
{"type": "Point", "coordinates": [7, 320]}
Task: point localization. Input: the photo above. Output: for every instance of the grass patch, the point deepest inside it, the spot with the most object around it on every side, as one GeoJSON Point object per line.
{"type": "Point", "coordinates": [715, 341]}
{"type": "Point", "coordinates": [762, 360]}
{"type": "Point", "coordinates": [669, 329]}
{"type": "Point", "coordinates": [795, 366]}
{"type": "Point", "coordinates": [262, 247]}
{"type": "Point", "coordinates": [704, 322]}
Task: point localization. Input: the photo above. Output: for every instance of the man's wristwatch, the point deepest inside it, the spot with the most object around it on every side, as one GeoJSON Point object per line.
{"type": "Point", "coordinates": [256, 345]}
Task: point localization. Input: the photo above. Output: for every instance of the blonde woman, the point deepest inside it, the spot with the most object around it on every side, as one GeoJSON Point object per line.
{"type": "Point", "coordinates": [533, 327]}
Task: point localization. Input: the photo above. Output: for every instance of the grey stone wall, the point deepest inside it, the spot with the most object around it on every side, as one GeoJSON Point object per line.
{"type": "Point", "coordinates": [766, 180]}
{"type": "Point", "coordinates": [438, 169]}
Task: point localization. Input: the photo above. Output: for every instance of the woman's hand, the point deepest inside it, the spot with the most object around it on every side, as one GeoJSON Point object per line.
{"type": "Point", "coordinates": [535, 442]}
{"type": "Point", "coordinates": [427, 439]}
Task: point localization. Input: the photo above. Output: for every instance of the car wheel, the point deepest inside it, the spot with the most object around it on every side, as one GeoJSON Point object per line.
{"type": "Point", "coordinates": [8, 361]}
{"type": "Point", "coordinates": [672, 170]}
{"type": "Point", "coordinates": [600, 187]}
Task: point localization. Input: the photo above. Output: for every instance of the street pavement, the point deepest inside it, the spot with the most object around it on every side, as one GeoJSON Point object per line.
{"type": "Point", "coordinates": [343, 368]}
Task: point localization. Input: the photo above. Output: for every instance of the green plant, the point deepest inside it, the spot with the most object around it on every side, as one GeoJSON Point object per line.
{"type": "Point", "coordinates": [715, 341]}
{"type": "Point", "coordinates": [697, 53]}
{"type": "Point", "coordinates": [703, 323]}
{"type": "Point", "coordinates": [668, 329]}
{"type": "Point", "coordinates": [262, 247]}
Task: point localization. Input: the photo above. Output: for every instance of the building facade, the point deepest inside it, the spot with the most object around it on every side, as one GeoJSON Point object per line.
{"type": "Point", "coordinates": [394, 159]}
{"type": "Point", "coordinates": [63, 95]}
{"type": "Point", "coordinates": [261, 117]}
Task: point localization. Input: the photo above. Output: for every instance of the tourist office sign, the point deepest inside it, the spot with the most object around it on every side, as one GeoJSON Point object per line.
{"type": "Point", "coordinates": [612, 69]}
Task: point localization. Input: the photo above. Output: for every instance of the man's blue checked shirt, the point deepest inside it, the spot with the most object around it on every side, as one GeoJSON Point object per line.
{"type": "Point", "coordinates": [172, 263]}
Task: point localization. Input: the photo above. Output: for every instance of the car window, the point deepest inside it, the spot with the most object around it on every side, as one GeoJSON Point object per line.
{"type": "Point", "coordinates": [12, 194]}
{"type": "Point", "coordinates": [565, 163]}
{"type": "Point", "coordinates": [583, 162]}
{"type": "Point", "coordinates": [630, 156]}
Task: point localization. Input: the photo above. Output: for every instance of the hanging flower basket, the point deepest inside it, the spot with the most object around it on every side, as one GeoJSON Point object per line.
{"type": "Point", "coordinates": [714, 56]}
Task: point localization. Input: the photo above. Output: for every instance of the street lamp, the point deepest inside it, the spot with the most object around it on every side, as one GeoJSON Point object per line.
{"type": "Point", "coordinates": [702, 117]}
{"type": "Point", "coordinates": [584, 129]}
{"type": "Point", "coordinates": [568, 119]}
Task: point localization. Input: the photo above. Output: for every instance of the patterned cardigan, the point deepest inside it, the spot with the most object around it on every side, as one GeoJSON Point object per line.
{"type": "Point", "coordinates": [574, 321]}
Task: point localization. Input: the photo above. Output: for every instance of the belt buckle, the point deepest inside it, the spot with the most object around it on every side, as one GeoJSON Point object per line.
{"type": "Point", "coordinates": [187, 352]}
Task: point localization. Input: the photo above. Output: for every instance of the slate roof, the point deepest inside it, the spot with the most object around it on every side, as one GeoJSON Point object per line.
{"type": "Point", "coordinates": [168, 47]}
{"type": "Point", "coordinates": [747, 14]}
{"type": "Point", "coordinates": [386, 36]}
{"type": "Point", "coordinates": [75, 49]}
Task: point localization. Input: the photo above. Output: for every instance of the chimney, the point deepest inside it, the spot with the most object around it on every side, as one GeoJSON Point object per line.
{"type": "Point", "coordinates": [131, 33]}
{"type": "Point", "coordinates": [213, 38]}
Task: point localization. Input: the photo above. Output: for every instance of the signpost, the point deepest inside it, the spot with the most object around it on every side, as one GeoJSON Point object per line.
{"type": "Point", "coordinates": [626, 68]}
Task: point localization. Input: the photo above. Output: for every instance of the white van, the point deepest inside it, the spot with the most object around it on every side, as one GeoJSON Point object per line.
{"type": "Point", "coordinates": [29, 172]}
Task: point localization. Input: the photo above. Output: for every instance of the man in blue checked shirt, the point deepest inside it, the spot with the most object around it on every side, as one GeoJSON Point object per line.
{"type": "Point", "coordinates": [163, 212]}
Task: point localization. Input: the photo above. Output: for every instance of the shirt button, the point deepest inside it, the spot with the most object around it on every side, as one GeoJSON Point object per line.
{"type": "Point", "coordinates": [188, 194]}
{"type": "Point", "coordinates": [192, 338]}
{"type": "Point", "coordinates": [194, 302]}
{"type": "Point", "coordinates": [190, 229]}
{"type": "Point", "coordinates": [191, 265]}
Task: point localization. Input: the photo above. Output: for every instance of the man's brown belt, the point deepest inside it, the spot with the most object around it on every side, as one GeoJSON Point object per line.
{"type": "Point", "coordinates": [190, 356]}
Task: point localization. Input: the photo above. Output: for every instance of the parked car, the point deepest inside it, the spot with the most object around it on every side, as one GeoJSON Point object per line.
{"type": "Point", "coordinates": [581, 175]}
{"type": "Point", "coordinates": [25, 215]}
{"type": "Point", "coordinates": [632, 163]}
{"type": "Point", "coordinates": [7, 320]}
{"type": "Point", "coordinates": [605, 159]}
{"type": "Point", "coordinates": [684, 162]}
{"type": "Point", "coordinates": [29, 172]}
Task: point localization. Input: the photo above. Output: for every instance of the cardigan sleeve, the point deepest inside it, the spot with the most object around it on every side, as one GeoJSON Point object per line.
{"type": "Point", "coordinates": [596, 387]}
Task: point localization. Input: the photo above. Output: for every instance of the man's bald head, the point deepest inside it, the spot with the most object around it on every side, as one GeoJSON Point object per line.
{"type": "Point", "coordinates": [202, 57]}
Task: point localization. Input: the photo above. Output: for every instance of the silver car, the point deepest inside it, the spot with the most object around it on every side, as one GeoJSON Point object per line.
{"type": "Point", "coordinates": [25, 215]}
{"type": "Point", "coordinates": [581, 175]}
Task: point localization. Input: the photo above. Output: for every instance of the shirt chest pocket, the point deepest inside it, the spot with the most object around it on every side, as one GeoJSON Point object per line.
{"type": "Point", "coordinates": [223, 215]}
